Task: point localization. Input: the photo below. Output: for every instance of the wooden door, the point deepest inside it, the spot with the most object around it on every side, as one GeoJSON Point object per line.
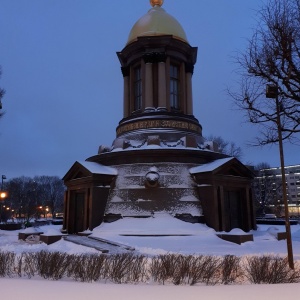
{"type": "Point", "coordinates": [233, 210]}
{"type": "Point", "coordinates": [79, 212]}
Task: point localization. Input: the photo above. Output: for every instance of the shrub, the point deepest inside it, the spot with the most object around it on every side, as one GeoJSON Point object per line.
{"type": "Point", "coordinates": [270, 269]}
{"type": "Point", "coordinates": [190, 269]}
{"type": "Point", "coordinates": [205, 269]}
{"type": "Point", "coordinates": [51, 265]}
{"type": "Point", "coordinates": [87, 268]}
{"type": "Point", "coordinates": [230, 269]}
{"type": "Point", "coordinates": [130, 268]}
{"type": "Point", "coordinates": [26, 264]}
{"type": "Point", "coordinates": [127, 268]}
{"type": "Point", "coordinates": [6, 263]}
{"type": "Point", "coordinates": [162, 267]}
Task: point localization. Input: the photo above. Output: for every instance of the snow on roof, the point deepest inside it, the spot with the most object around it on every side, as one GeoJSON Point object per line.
{"type": "Point", "coordinates": [209, 167]}
{"type": "Point", "coordinates": [96, 168]}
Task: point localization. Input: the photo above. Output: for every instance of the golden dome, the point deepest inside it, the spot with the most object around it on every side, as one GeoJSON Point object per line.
{"type": "Point", "coordinates": [157, 22]}
{"type": "Point", "coordinates": [157, 2]}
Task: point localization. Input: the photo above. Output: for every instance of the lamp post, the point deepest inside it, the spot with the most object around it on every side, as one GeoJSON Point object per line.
{"type": "Point", "coordinates": [3, 195]}
{"type": "Point", "coordinates": [272, 92]}
{"type": "Point", "coordinates": [2, 179]}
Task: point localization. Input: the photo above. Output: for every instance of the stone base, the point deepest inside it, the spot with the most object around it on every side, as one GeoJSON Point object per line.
{"type": "Point", "coordinates": [24, 235]}
{"type": "Point", "coordinates": [84, 233]}
{"type": "Point", "coordinates": [281, 236]}
{"type": "Point", "coordinates": [50, 239]}
{"type": "Point", "coordinates": [236, 238]}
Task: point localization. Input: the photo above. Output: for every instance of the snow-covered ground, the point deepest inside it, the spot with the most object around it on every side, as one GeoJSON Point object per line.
{"type": "Point", "coordinates": [181, 237]}
{"type": "Point", "coordinates": [29, 289]}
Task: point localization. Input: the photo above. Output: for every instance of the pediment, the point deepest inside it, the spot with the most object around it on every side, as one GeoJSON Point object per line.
{"type": "Point", "coordinates": [88, 169]}
{"type": "Point", "coordinates": [228, 166]}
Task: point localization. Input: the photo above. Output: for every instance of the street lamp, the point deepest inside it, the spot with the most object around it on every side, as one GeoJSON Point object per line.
{"type": "Point", "coordinates": [272, 92]}
{"type": "Point", "coordinates": [3, 195]}
{"type": "Point", "coordinates": [3, 177]}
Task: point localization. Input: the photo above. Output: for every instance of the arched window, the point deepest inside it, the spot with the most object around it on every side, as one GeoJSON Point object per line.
{"type": "Point", "coordinates": [137, 89]}
{"type": "Point", "coordinates": [174, 87]}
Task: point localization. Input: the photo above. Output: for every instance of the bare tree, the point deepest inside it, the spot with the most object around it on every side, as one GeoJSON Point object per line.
{"type": "Point", "coordinates": [272, 57]}
{"type": "Point", "coordinates": [225, 147]}
{"type": "Point", "coordinates": [2, 92]}
{"type": "Point", "coordinates": [22, 192]}
{"type": "Point", "coordinates": [262, 165]}
{"type": "Point", "coordinates": [262, 187]}
{"type": "Point", "coordinates": [30, 197]}
{"type": "Point", "coordinates": [267, 190]}
{"type": "Point", "coordinates": [51, 193]}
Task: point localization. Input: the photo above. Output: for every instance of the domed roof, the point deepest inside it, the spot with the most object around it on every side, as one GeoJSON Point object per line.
{"type": "Point", "coordinates": [156, 22]}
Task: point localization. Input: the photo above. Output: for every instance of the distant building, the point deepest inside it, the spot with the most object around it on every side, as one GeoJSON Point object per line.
{"type": "Point", "coordinates": [267, 189]}
{"type": "Point", "coordinates": [159, 161]}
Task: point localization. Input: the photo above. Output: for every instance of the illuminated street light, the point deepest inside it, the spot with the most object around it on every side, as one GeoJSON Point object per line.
{"type": "Point", "coordinates": [3, 195]}
{"type": "Point", "coordinates": [272, 92]}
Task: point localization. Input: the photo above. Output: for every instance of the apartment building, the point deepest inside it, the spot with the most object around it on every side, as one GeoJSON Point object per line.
{"type": "Point", "coordinates": [267, 188]}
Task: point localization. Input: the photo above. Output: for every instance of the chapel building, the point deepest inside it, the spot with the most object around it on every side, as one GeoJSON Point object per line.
{"type": "Point", "coordinates": [158, 161]}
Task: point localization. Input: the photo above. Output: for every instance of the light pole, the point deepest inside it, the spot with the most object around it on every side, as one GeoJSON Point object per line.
{"type": "Point", "coordinates": [3, 195]}
{"type": "Point", "coordinates": [3, 177]}
{"type": "Point", "coordinates": [272, 92]}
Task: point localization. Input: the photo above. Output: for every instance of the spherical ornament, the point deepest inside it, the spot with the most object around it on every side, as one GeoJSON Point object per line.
{"type": "Point", "coordinates": [157, 2]}
{"type": "Point", "coordinates": [152, 178]}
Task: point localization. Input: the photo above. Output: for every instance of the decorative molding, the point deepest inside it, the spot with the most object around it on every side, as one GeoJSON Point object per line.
{"type": "Point", "coordinates": [161, 123]}
{"type": "Point", "coordinates": [189, 68]}
{"type": "Point", "coordinates": [154, 57]}
{"type": "Point", "coordinates": [125, 71]}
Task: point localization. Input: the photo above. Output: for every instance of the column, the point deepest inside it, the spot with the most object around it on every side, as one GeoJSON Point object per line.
{"type": "Point", "coordinates": [148, 85]}
{"type": "Point", "coordinates": [126, 104]}
{"type": "Point", "coordinates": [189, 69]}
{"type": "Point", "coordinates": [162, 88]}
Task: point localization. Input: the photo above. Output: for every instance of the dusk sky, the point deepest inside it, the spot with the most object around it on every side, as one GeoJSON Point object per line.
{"type": "Point", "coordinates": [64, 87]}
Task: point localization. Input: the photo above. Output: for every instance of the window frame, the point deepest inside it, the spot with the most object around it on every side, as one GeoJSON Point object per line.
{"type": "Point", "coordinates": [174, 90]}
{"type": "Point", "coordinates": [137, 88]}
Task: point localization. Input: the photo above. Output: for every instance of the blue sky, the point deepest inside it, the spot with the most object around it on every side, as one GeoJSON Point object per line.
{"type": "Point", "coordinates": [64, 86]}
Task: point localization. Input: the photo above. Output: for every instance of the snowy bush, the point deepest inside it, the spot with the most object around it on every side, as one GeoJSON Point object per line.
{"type": "Point", "coordinates": [51, 265]}
{"type": "Point", "coordinates": [6, 263]}
{"type": "Point", "coordinates": [180, 269]}
{"type": "Point", "coordinates": [127, 268]}
{"type": "Point", "coordinates": [231, 270]}
{"type": "Point", "coordinates": [174, 269]}
{"type": "Point", "coordinates": [270, 269]}
{"type": "Point", "coordinates": [88, 268]}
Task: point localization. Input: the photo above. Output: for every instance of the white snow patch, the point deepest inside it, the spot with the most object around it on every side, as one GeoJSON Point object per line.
{"type": "Point", "coordinates": [30, 230]}
{"type": "Point", "coordinates": [116, 199]}
{"type": "Point", "coordinates": [52, 232]}
{"type": "Point", "coordinates": [143, 200]}
{"type": "Point", "coordinates": [237, 231]}
{"type": "Point", "coordinates": [153, 146]}
{"type": "Point", "coordinates": [96, 168]}
{"type": "Point", "coordinates": [153, 169]}
{"type": "Point", "coordinates": [152, 176]}
{"type": "Point", "coordinates": [190, 198]}
{"type": "Point", "coordinates": [86, 232]}
{"type": "Point", "coordinates": [209, 167]}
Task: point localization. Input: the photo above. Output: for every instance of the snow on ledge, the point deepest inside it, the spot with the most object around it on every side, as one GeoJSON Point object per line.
{"type": "Point", "coordinates": [96, 168]}
{"type": "Point", "coordinates": [209, 167]}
